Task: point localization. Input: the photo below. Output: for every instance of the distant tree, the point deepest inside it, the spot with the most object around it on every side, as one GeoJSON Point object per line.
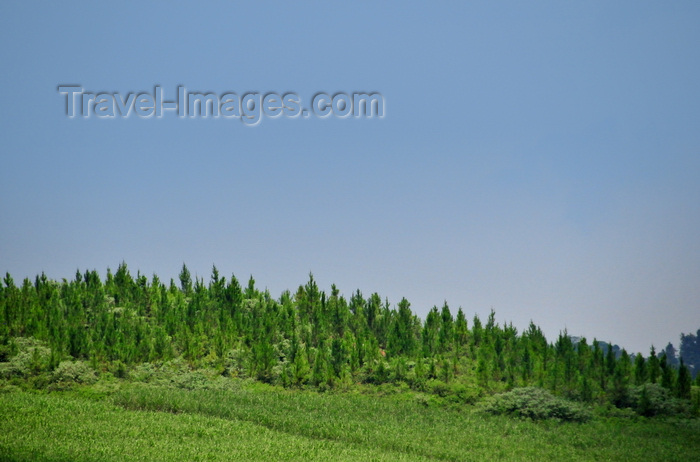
{"type": "Point", "coordinates": [584, 354]}
{"type": "Point", "coordinates": [482, 371]}
{"type": "Point", "coordinates": [653, 366]}
{"type": "Point", "coordinates": [586, 390]}
{"type": "Point", "coordinates": [372, 310]}
{"type": "Point", "coordinates": [620, 390]}
{"type": "Point", "coordinates": [446, 329]}
{"type": "Point", "coordinates": [671, 356]}
{"type": "Point", "coordinates": [598, 364]}
{"type": "Point", "coordinates": [445, 369]}
{"type": "Point", "coordinates": [217, 285]}
{"type": "Point", "coordinates": [321, 374]}
{"type": "Point", "coordinates": [690, 351]}
{"type": "Point", "coordinates": [684, 382]}
{"type": "Point", "coordinates": [185, 280]}
{"type": "Point", "coordinates": [477, 331]}
{"type": "Point", "coordinates": [250, 291]}
{"type": "Point", "coordinates": [666, 372]}
{"type": "Point", "coordinates": [640, 369]}
{"type": "Point", "coordinates": [526, 362]}
{"type": "Point", "coordinates": [610, 361]}
{"type": "Point", "coordinates": [301, 368]}
{"type": "Point", "coordinates": [339, 355]}
{"type": "Point", "coordinates": [420, 374]}
{"type": "Point", "coordinates": [430, 333]}
{"type": "Point", "coordinates": [565, 355]}
{"type": "Point", "coordinates": [461, 328]}
{"type": "Point", "coordinates": [402, 338]}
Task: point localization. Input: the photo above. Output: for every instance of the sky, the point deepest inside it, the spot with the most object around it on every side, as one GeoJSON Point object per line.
{"type": "Point", "coordinates": [541, 159]}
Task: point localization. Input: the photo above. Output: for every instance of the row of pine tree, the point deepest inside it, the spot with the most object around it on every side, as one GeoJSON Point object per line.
{"type": "Point", "coordinates": [311, 338]}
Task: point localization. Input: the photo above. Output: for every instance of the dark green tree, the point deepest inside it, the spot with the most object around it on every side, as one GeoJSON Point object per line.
{"type": "Point", "coordinates": [640, 369]}
{"type": "Point", "coordinates": [653, 368]}
{"type": "Point", "coordinates": [684, 381]}
{"type": "Point", "coordinates": [185, 280]}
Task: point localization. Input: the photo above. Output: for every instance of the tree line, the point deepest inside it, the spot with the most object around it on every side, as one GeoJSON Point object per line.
{"type": "Point", "coordinates": [310, 338]}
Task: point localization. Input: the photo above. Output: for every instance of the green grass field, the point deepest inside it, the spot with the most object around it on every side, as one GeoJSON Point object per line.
{"type": "Point", "coordinates": [146, 422]}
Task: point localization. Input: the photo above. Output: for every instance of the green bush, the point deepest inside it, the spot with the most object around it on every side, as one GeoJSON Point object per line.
{"type": "Point", "coordinates": [119, 369]}
{"type": "Point", "coordinates": [461, 393]}
{"type": "Point", "coordinates": [537, 404]}
{"type": "Point", "coordinates": [651, 399]}
{"type": "Point", "coordinates": [32, 358]}
{"type": "Point", "coordinates": [437, 387]}
{"type": "Point", "coordinates": [73, 372]}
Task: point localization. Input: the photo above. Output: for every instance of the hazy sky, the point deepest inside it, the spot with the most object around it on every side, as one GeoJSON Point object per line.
{"type": "Point", "coordinates": [538, 158]}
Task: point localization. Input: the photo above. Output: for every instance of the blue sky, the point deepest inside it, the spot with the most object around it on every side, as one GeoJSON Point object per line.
{"type": "Point", "coordinates": [540, 159]}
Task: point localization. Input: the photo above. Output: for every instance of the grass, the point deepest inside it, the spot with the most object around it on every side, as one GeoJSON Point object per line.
{"type": "Point", "coordinates": [62, 428]}
{"type": "Point", "coordinates": [147, 422]}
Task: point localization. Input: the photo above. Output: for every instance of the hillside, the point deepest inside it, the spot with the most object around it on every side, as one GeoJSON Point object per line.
{"type": "Point", "coordinates": [305, 339]}
{"type": "Point", "coordinates": [220, 371]}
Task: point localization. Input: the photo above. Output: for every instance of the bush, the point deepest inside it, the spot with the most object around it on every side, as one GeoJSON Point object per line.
{"type": "Point", "coordinates": [33, 357]}
{"type": "Point", "coordinates": [119, 370]}
{"type": "Point", "coordinates": [437, 387]}
{"type": "Point", "coordinates": [178, 374]}
{"type": "Point", "coordinates": [7, 351]}
{"type": "Point", "coordinates": [651, 399]}
{"type": "Point", "coordinates": [609, 410]}
{"type": "Point", "coordinates": [145, 372]}
{"type": "Point", "coordinates": [70, 373]}
{"type": "Point", "coordinates": [461, 393]}
{"type": "Point", "coordinates": [537, 404]}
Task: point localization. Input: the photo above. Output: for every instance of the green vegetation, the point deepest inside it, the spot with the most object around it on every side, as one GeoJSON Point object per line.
{"type": "Point", "coordinates": [248, 421]}
{"type": "Point", "coordinates": [537, 404]}
{"type": "Point", "coordinates": [134, 369]}
{"type": "Point", "coordinates": [52, 427]}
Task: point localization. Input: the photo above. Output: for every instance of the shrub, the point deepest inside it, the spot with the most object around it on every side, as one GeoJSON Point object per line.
{"type": "Point", "coordinates": [32, 358]}
{"type": "Point", "coordinates": [651, 399]}
{"type": "Point", "coordinates": [438, 387]}
{"type": "Point", "coordinates": [69, 373]}
{"type": "Point", "coordinates": [461, 393]}
{"type": "Point", "coordinates": [145, 372]}
{"type": "Point", "coordinates": [537, 404]}
{"type": "Point", "coordinates": [7, 351]}
{"type": "Point", "coordinates": [119, 369]}
{"type": "Point", "coordinates": [609, 410]}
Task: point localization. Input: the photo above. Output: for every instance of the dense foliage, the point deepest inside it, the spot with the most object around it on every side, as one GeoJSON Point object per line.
{"type": "Point", "coordinates": [537, 404]}
{"type": "Point", "coordinates": [51, 331]}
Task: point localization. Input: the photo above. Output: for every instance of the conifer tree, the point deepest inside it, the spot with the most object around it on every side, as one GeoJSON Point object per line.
{"type": "Point", "coordinates": [610, 362]}
{"type": "Point", "coordinates": [653, 366]}
{"type": "Point", "coordinates": [402, 339]}
{"type": "Point", "coordinates": [684, 381]}
{"type": "Point", "coordinates": [185, 280]}
{"type": "Point", "coordinates": [461, 328]}
{"type": "Point", "coordinates": [446, 329]}
{"type": "Point", "coordinates": [302, 370]}
{"type": "Point", "coordinates": [320, 375]}
{"type": "Point", "coordinates": [640, 369]}
{"type": "Point", "coordinates": [430, 333]}
{"type": "Point", "coordinates": [666, 372]}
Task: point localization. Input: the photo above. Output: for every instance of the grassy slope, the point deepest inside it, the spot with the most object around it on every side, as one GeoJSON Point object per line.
{"type": "Point", "coordinates": [57, 428]}
{"type": "Point", "coordinates": [281, 425]}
